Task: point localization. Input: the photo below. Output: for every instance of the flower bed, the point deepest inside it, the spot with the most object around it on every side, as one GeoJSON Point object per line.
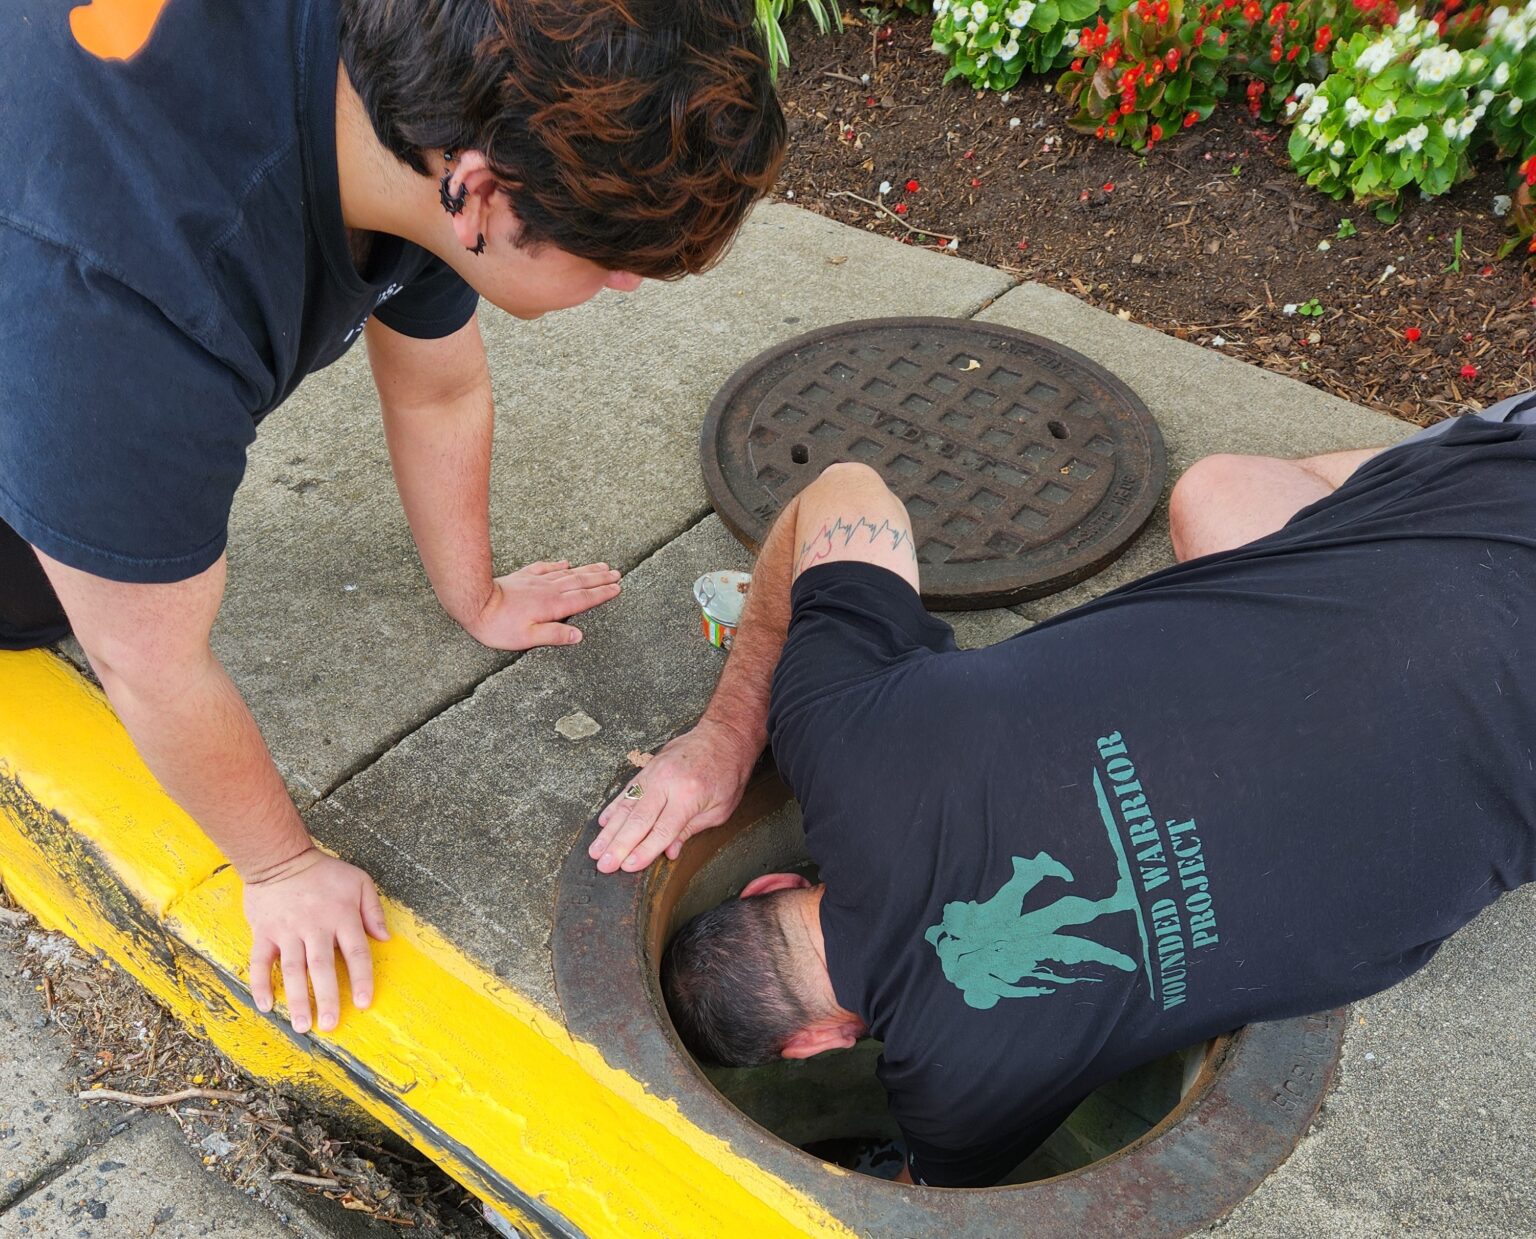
{"type": "Point", "coordinates": [1205, 232]}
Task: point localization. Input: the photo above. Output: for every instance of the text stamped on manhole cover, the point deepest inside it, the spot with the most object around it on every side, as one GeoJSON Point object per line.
{"type": "Point", "coordinates": [1025, 466]}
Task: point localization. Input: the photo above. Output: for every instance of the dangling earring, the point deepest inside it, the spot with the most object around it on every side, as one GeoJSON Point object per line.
{"type": "Point", "coordinates": [478, 247]}
{"type": "Point", "coordinates": [452, 203]}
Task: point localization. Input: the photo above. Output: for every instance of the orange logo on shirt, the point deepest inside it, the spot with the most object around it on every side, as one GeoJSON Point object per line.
{"type": "Point", "coordinates": [114, 29]}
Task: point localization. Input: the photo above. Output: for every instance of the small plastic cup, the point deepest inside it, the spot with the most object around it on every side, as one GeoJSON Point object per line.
{"type": "Point", "coordinates": [720, 596]}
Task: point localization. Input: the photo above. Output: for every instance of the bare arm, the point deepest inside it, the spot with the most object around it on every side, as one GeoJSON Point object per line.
{"type": "Point", "coordinates": [438, 420]}
{"type": "Point", "coordinates": [697, 781]}
{"type": "Point", "coordinates": [149, 646]}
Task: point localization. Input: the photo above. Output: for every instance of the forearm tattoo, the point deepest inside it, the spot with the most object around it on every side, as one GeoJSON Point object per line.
{"type": "Point", "coordinates": [838, 533]}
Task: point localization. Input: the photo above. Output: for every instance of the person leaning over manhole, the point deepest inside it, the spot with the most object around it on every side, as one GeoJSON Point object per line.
{"type": "Point", "coordinates": [1264, 782]}
{"type": "Point", "coordinates": [209, 202]}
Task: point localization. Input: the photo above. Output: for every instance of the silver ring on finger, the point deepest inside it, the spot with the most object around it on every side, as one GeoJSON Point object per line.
{"type": "Point", "coordinates": [633, 792]}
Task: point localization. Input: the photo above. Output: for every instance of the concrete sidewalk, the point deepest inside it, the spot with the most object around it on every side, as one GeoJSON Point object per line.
{"type": "Point", "coordinates": [454, 775]}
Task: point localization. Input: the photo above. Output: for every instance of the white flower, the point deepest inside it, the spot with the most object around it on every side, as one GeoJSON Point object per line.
{"type": "Point", "coordinates": [1010, 49]}
{"type": "Point", "coordinates": [1501, 204]}
{"type": "Point", "coordinates": [1022, 12]}
{"type": "Point", "coordinates": [1414, 138]}
{"type": "Point", "coordinates": [1434, 64]}
{"type": "Point", "coordinates": [941, 7]}
{"type": "Point", "coordinates": [1376, 57]}
{"type": "Point", "coordinates": [1485, 97]}
{"type": "Point", "coordinates": [1354, 112]}
{"type": "Point", "coordinates": [972, 26]}
{"type": "Point", "coordinates": [1338, 148]}
{"type": "Point", "coordinates": [1316, 110]}
{"type": "Point", "coordinates": [1477, 114]}
{"type": "Point", "coordinates": [979, 11]}
{"type": "Point", "coordinates": [1395, 144]}
{"type": "Point", "coordinates": [1074, 37]}
{"type": "Point", "coordinates": [885, 188]}
{"type": "Point", "coordinates": [1385, 112]}
{"type": "Point", "coordinates": [1407, 22]}
{"type": "Point", "coordinates": [1500, 76]}
{"type": "Point", "coordinates": [982, 58]}
{"type": "Point", "coordinates": [1514, 106]}
{"type": "Point", "coordinates": [1305, 91]}
{"type": "Point", "coordinates": [953, 245]}
{"type": "Point", "coordinates": [1288, 308]}
{"type": "Point", "coordinates": [993, 27]}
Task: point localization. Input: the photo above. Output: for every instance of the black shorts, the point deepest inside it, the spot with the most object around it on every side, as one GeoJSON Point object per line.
{"type": "Point", "coordinates": [30, 613]}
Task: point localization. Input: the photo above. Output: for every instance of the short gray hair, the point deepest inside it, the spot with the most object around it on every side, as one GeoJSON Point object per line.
{"type": "Point", "coordinates": [728, 978]}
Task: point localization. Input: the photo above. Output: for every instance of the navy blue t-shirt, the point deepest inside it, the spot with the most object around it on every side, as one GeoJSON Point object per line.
{"type": "Point", "coordinates": [175, 262]}
{"type": "Point", "coordinates": [1256, 785]}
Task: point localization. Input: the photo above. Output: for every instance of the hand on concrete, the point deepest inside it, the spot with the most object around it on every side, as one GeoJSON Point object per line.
{"type": "Point", "coordinates": [528, 607]}
{"type": "Point", "coordinates": [302, 914]}
{"type": "Point", "coordinates": [695, 782]}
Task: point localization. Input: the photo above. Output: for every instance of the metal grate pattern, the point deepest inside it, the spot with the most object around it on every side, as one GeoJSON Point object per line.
{"type": "Point", "coordinates": [1025, 467]}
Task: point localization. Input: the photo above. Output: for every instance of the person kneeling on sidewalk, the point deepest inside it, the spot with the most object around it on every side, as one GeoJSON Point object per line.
{"type": "Point", "coordinates": [1269, 780]}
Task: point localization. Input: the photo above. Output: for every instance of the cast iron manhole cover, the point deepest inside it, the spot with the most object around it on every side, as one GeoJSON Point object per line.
{"type": "Point", "coordinates": [1025, 466]}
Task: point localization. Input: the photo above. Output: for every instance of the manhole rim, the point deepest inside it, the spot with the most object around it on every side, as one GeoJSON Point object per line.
{"type": "Point", "coordinates": [610, 996]}
{"type": "Point", "coordinates": [742, 522]}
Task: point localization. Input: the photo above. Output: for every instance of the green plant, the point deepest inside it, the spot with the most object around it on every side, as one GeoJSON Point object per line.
{"type": "Point", "coordinates": [1395, 112]}
{"type": "Point", "coordinates": [770, 18]}
{"type": "Point", "coordinates": [1312, 308]}
{"type": "Point", "coordinates": [1145, 74]}
{"type": "Point", "coordinates": [990, 43]}
{"type": "Point", "coordinates": [1509, 88]}
{"type": "Point", "coordinates": [1454, 266]}
{"type": "Point", "coordinates": [1346, 230]}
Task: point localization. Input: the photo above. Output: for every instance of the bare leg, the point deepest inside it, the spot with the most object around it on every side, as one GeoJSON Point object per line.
{"type": "Point", "coordinates": [1226, 501]}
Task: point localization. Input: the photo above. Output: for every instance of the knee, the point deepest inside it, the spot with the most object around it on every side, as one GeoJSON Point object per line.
{"type": "Point", "coordinates": [1206, 488]}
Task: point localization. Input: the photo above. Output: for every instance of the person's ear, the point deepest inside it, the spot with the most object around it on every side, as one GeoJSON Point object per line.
{"type": "Point", "coordinates": [771, 882]}
{"type": "Point", "coordinates": [820, 1037]}
{"type": "Point", "coordinates": [468, 192]}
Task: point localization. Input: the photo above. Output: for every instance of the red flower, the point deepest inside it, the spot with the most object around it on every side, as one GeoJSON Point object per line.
{"type": "Point", "coordinates": [1221, 39]}
{"type": "Point", "coordinates": [1324, 39]}
{"type": "Point", "coordinates": [913, 187]}
{"type": "Point", "coordinates": [1190, 119]}
{"type": "Point", "coordinates": [900, 208]}
{"type": "Point", "coordinates": [1172, 59]}
{"type": "Point", "coordinates": [1412, 334]}
{"type": "Point", "coordinates": [1109, 187]}
{"type": "Point", "coordinates": [1469, 371]}
{"type": "Point", "coordinates": [1274, 54]}
{"type": "Point", "coordinates": [1077, 65]}
{"type": "Point", "coordinates": [1022, 246]}
{"type": "Point", "coordinates": [1291, 55]}
{"type": "Point", "coordinates": [1099, 133]}
{"type": "Point", "coordinates": [969, 155]}
{"type": "Point", "coordinates": [975, 182]}
{"type": "Point", "coordinates": [1529, 170]}
{"type": "Point", "coordinates": [1200, 36]}
{"type": "Point", "coordinates": [1157, 133]}
{"type": "Point", "coordinates": [1486, 272]}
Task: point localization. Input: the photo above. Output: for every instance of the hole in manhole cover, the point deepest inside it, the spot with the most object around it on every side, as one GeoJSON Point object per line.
{"type": "Point", "coordinates": [1162, 1151]}
{"type": "Point", "coordinates": [1025, 466]}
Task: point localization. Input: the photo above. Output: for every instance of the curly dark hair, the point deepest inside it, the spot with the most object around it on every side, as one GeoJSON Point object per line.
{"type": "Point", "coordinates": [633, 133]}
{"type": "Point", "coordinates": [727, 980]}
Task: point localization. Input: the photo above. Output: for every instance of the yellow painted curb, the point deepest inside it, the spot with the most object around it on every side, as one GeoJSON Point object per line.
{"type": "Point", "coordinates": [449, 1057]}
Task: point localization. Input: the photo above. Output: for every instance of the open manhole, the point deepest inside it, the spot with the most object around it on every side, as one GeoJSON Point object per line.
{"type": "Point", "coordinates": [1025, 467]}
{"type": "Point", "coordinates": [1163, 1151]}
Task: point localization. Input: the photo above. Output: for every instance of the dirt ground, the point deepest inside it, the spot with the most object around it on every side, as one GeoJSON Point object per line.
{"type": "Point", "coordinates": [1208, 238]}
{"type": "Point", "coordinates": [124, 1041]}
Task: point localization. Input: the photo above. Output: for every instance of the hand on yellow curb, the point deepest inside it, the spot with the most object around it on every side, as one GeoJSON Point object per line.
{"type": "Point", "coordinates": [301, 916]}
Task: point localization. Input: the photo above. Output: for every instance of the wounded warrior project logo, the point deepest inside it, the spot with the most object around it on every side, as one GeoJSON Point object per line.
{"type": "Point", "coordinates": [996, 949]}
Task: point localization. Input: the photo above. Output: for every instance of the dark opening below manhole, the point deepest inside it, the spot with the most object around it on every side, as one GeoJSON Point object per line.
{"type": "Point", "coordinates": [1025, 466]}
{"type": "Point", "coordinates": [1161, 1152]}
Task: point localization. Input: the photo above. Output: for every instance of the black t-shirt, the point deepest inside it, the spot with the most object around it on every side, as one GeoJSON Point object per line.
{"type": "Point", "coordinates": [175, 262]}
{"type": "Point", "coordinates": [1255, 785]}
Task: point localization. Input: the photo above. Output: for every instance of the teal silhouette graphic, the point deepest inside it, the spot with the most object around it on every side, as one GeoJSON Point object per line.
{"type": "Point", "coordinates": [988, 948]}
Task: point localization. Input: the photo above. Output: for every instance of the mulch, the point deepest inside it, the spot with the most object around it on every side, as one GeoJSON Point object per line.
{"type": "Point", "coordinates": [1207, 238]}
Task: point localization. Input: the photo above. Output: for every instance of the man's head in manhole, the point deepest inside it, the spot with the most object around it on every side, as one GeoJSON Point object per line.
{"type": "Point", "coordinates": [746, 982]}
{"type": "Point", "coordinates": [548, 148]}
